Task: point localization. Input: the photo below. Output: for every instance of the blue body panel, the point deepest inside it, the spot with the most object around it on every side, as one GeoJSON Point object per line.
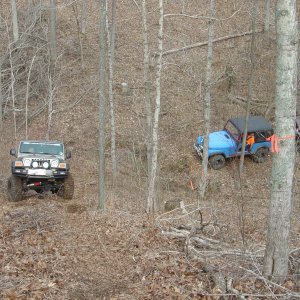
{"type": "Point", "coordinates": [221, 142]}
{"type": "Point", "coordinates": [256, 146]}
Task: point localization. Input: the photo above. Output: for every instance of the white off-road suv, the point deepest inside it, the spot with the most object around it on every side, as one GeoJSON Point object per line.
{"type": "Point", "coordinates": [40, 166]}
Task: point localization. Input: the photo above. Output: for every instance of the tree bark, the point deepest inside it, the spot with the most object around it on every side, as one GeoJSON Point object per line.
{"type": "Point", "coordinates": [111, 38]}
{"type": "Point", "coordinates": [207, 97]}
{"type": "Point", "coordinates": [27, 97]}
{"type": "Point", "coordinates": [102, 100]}
{"type": "Point", "coordinates": [52, 45]}
{"type": "Point", "coordinates": [83, 16]}
{"type": "Point", "coordinates": [248, 106]}
{"type": "Point", "coordinates": [13, 79]}
{"type": "Point", "coordinates": [250, 84]}
{"type": "Point", "coordinates": [277, 249]}
{"type": "Point", "coordinates": [267, 15]}
{"type": "Point", "coordinates": [1, 97]}
{"type": "Point", "coordinates": [52, 34]}
{"type": "Point", "coordinates": [50, 105]}
{"type": "Point", "coordinates": [151, 201]}
{"type": "Point", "coordinates": [15, 20]}
{"type": "Point", "coordinates": [147, 85]}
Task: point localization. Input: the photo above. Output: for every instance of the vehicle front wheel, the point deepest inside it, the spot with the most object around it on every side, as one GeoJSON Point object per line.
{"type": "Point", "coordinates": [14, 188]}
{"type": "Point", "coordinates": [217, 161]}
{"type": "Point", "coordinates": [261, 155]}
{"type": "Point", "coordinates": [67, 190]}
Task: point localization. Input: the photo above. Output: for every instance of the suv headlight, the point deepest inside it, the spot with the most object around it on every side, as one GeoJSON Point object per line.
{"type": "Point", "coordinates": [54, 163]}
{"type": "Point", "coordinates": [26, 162]}
{"type": "Point", "coordinates": [45, 165]}
{"type": "Point", "coordinates": [35, 164]}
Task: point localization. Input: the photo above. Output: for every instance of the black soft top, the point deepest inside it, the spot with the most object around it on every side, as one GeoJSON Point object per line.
{"type": "Point", "coordinates": [255, 124]}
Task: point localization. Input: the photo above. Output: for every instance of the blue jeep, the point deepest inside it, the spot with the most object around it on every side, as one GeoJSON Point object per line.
{"type": "Point", "coordinates": [228, 142]}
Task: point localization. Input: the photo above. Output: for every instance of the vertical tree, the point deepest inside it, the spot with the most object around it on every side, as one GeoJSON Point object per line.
{"type": "Point", "coordinates": [79, 30]}
{"type": "Point", "coordinates": [1, 97]}
{"type": "Point", "coordinates": [147, 84]}
{"type": "Point", "coordinates": [52, 33]}
{"type": "Point", "coordinates": [207, 96]}
{"type": "Point", "coordinates": [84, 4]}
{"type": "Point", "coordinates": [267, 15]}
{"type": "Point", "coordinates": [102, 100]}
{"type": "Point", "coordinates": [250, 83]}
{"type": "Point", "coordinates": [154, 159]}
{"type": "Point", "coordinates": [248, 106]}
{"type": "Point", "coordinates": [277, 249]}
{"type": "Point", "coordinates": [111, 56]}
{"type": "Point", "coordinates": [15, 20]}
{"type": "Point", "coordinates": [52, 47]}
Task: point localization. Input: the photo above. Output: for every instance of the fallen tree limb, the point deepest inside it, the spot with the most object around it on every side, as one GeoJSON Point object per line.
{"type": "Point", "coordinates": [221, 39]}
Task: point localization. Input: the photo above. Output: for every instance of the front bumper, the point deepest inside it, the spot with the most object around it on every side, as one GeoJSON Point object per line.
{"type": "Point", "coordinates": [40, 173]}
{"type": "Point", "coordinates": [199, 149]}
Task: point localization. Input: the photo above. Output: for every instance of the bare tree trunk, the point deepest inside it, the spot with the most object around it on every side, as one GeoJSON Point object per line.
{"type": "Point", "coordinates": [1, 97]}
{"type": "Point", "coordinates": [52, 48]}
{"type": "Point", "coordinates": [27, 96]}
{"type": "Point", "coordinates": [52, 33]}
{"type": "Point", "coordinates": [80, 36]}
{"type": "Point", "coordinates": [147, 84]}
{"type": "Point", "coordinates": [151, 201]}
{"type": "Point", "coordinates": [13, 90]}
{"type": "Point", "coordinates": [15, 20]}
{"type": "Point", "coordinates": [207, 94]}
{"type": "Point", "coordinates": [50, 105]}
{"type": "Point", "coordinates": [29, 13]}
{"type": "Point", "coordinates": [111, 57]}
{"type": "Point", "coordinates": [248, 106]}
{"type": "Point", "coordinates": [267, 15]}
{"type": "Point", "coordinates": [102, 100]}
{"type": "Point", "coordinates": [277, 249]}
{"type": "Point", "coordinates": [84, 4]}
{"type": "Point", "coordinates": [250, 83]}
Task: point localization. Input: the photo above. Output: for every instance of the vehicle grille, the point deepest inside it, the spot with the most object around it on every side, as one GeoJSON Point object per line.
{"type": "Point", "coordinates": [40, 162]}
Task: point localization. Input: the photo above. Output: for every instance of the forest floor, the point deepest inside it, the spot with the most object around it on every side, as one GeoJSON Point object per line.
{"type": "Point", "coordinates": [50, 249]}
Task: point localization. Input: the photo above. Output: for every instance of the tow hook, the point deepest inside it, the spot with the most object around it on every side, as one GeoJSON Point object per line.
{"type": "Point", "coordinates": [38, 183]}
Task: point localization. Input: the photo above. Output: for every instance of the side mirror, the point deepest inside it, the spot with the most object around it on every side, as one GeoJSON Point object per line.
{"type": "Point", "coordinates": [13, 152]}
{"type": "Point", "coordinates": [68, 154]}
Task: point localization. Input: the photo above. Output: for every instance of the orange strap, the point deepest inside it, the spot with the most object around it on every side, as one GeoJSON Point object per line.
{"type": "Point", "coordinates": [275, 139]}
{"type": "Point", "coordinates": [191, 185]}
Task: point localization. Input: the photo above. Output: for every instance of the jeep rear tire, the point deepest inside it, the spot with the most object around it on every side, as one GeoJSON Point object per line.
{"type": "Point", "coordinates": [217, 161]}
{"type": "Point", "coordinates": [14, 188]}
{"type": "Point", "coordinates": [261, 155]}
{"type": "Point", "coordinates": [67, 190]}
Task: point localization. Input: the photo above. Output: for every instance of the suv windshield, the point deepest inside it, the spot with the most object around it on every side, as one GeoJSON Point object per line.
{"type": "Point", "coordinates": [232, 130]}
{"type": "Point", "coordinates": [39, 148]}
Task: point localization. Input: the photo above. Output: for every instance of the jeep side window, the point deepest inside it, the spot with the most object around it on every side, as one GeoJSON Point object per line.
{"type": "Point", "coordinates": [233, 131]}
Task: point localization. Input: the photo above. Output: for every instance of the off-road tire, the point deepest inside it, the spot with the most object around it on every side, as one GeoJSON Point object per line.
{"type": "Point", "coordinates": [261, 155]}
{"type": "Point", "coordinates": [217, 161]}
{"type": "Point", "coordinates": [14, 188]}
{"type": "Point", "coordinates": [67, 189]}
